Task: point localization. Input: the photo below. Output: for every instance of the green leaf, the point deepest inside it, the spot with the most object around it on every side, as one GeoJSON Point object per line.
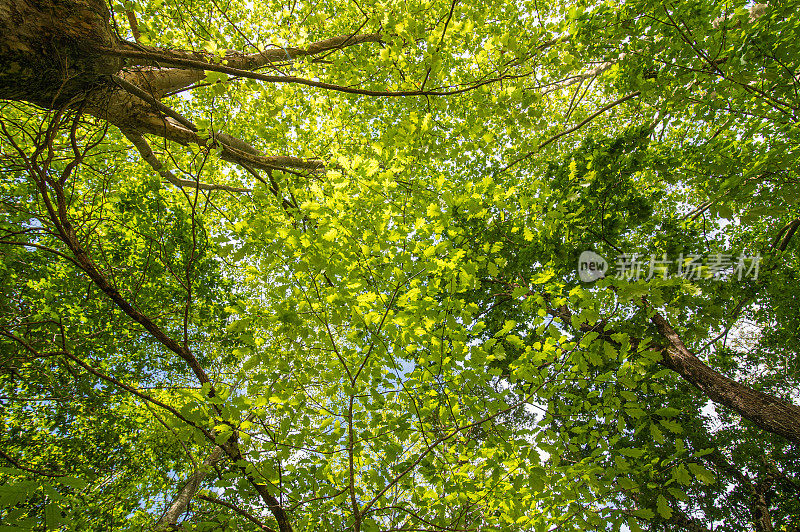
{"type": "Point", "coordinates": [657, 435]}
{"type": "Point", "coordinates": [663, 507]}
{"type": "Point", "coordinates": [223, 437]}
{"type": "Point", "coordinates": [634, 453]}
{"type": "Point", "coordinates": [701, 473]}
{"type": "Point", "coordinates": [13, 494]}
{"type": "Point", "coordinates": [682, 475]}
{"type": "Point", "coordinates": [73, 482]}
{"type": "Point", "coordinates": [52, 516]}
{"type": "Point", "coordinates": [368, 525]}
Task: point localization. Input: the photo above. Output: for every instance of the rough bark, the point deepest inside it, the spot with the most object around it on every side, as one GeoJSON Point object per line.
{"type": "Point", "coordinates": [161, 81]}
{"type": "Point", "coordinates": [181, 501]}
{"type": "Point", "coordinates": [766, 411]}
{"type": "Point", "coordinates": [762, 495]}
{"type": "Point", "coordinates": [50, 50]}
{"type": "Point", "coordinates": [57, 53]}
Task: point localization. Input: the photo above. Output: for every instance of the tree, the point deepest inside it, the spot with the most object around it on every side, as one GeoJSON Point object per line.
{"type": "Point", "coordinates": [333, 286]}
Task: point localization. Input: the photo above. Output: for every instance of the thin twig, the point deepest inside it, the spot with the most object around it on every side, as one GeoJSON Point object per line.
{"type": "Point", "coordinates": [571, 130]}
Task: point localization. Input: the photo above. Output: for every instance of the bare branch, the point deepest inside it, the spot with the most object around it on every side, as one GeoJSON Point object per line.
{"type": "Point", "coordinates": [589, 118]}
{"type": "Point", "coordinates": [136, 91]}
{"type": "Point", "coordinates": [572, 129]}
{"type": "Point", "coordinates": [150, 158]}
{"type": "Point", "coordinates": [160, 81]}
{"type": "Point", "coordinates": [170, 58]}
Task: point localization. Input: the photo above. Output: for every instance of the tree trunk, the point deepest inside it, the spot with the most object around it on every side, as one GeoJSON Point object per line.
{"type": "Point", "coordinates": [181, 501]}
{"type": "Point", "coordinates": [50, 50]}
{"type": "Point", "coordinates": [56, 53]}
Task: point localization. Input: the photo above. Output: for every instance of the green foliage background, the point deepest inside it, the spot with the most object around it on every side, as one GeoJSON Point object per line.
{"type": "Point", "coordinates": [389, 352]}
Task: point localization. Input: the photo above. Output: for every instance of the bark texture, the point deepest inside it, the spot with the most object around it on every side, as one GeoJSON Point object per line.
{"type": "Point", "coordinates": [766, 411]}
{"type": "Point", "coordinates": [181, 501]}
{"type": "Point", "coordinates": [64, 53]}
{"type": "Point", "coordinates": [50, 50]}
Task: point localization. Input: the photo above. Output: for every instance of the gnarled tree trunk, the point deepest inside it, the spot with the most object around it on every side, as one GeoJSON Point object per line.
{"type": "Point", "coordinates": [56, 53]}
{"type": "Point", "coordinates": [51, 50]}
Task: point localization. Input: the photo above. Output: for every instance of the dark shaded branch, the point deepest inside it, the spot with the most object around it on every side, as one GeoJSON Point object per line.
{"type": "Point", "coordinates": [589, 118]}
{"type": "Point", "coordinates": [8, 458]}
{"type": "Point", "coordinates": [137, 393]}
{"type": "Point", "coordinates": [573, 128]}
{"type": "Point", "coordinates": [88, 266]}
{"type": "Point", "coordinates": [787, 232]}
{"type": "Point", "coordinates": [139, 93]}
{"type": "Point", "coordinates": [768, 412]}
{"type": "Point", "coordinates": [161, 81]}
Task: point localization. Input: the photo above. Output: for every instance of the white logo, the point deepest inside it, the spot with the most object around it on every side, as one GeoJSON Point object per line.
{"type": "Point", "coordinates": [692, 267]}
{"type": "Point", "coordinates": [591, 266]}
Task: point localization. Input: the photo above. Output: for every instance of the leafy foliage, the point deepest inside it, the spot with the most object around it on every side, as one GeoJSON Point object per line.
{"type": "Point", "coordinates": [397, 338]}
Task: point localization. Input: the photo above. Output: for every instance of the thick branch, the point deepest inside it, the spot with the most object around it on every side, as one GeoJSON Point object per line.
{"type": "Point", "coordinates": [181, 501]}
{"type": "Point", "coordinates": [169, 58]}
{"type": "Point", "coordinates": [134, 25]}
{"type": "Point", "coordinates": [139, 93]}
{"type": "Point", "coordinates": [233, 150]}
{"type": "Point", "coordinates": [88, 266]}
{"type": "Point", "coordinates": [67, 233]}
{"type": "Point", "coordinates": [160, 81]}
{"type": "Point", "coordinates": [766, 411]}
{"type": "Point", "coordinates": [231, 448]}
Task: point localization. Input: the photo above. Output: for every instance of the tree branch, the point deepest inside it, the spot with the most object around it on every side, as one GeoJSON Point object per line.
{"type": "Point", "coordinates": [33, 470]}
{"type": "Point", "coordinates": [134, 25]}
{"type": "Point", "coordinates": [137, 393]}
{"type": "Point", "coordinates": [169, 58]}
{"type": "Point", "coordinates": [766, 411]}
{"type": "Point", "coordinates": [161, 80]}
{"type": "Point", "coordinates": [573, 128]}
{"type": "Point", "coordinates": [589, 118]}
{"type": "Point", "coordinates": [247, 515]}
{"type": "Point", "coordinates": [181, 501]}
{"type": "Point", "coordinates": [139, 93]}
{"type": "Point", "coordinates": [147, 154]}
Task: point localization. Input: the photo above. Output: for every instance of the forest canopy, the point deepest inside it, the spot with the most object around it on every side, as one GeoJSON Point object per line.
{"type": "Point", "coordinates": [399, 265]}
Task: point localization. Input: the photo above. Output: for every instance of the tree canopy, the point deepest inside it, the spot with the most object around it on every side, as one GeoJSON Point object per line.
{"type": "Point", "coordinates": [399, 265]}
